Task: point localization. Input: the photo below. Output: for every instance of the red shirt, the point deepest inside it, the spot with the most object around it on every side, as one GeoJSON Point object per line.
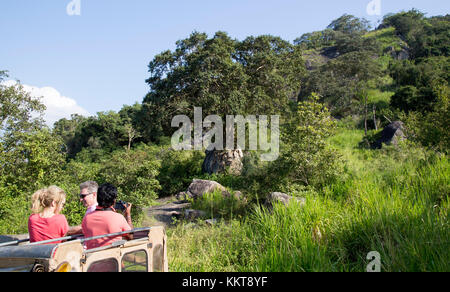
{"type": "Point", "coordinates": [41, 229]}
{"type": "Point", "coordinates": [103, 222]}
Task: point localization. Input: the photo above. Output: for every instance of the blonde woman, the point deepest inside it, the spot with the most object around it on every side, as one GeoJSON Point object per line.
{"type": "Point", "coordinates": [46, 222]}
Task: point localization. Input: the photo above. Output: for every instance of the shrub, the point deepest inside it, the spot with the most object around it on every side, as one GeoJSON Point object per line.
{"type": "Point", "coordinates": [305, 158]}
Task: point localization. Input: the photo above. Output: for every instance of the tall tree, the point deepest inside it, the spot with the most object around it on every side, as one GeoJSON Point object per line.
{"type": "Point", "coordinates": [223, 76]}
{"type": "Point", "coordinates": [350, 24]}
{"type": "Point", "coordinates": [18, 109]}
{"type": "Point", "coordinates": [30, 155]}
{"type": "Point", "coordinates": [342, 81]}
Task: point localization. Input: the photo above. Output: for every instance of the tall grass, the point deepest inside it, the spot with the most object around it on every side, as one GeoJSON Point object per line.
{"type": "Point", "coordinates": [405, 219]}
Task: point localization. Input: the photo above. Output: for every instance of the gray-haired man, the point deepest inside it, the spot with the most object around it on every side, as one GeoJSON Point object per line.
{"type": "Point", "coordinates": [88, 195]}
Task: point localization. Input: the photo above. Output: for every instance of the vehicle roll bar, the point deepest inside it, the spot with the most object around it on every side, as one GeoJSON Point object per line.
{"type": "Point", "coordinates": [77, 236]}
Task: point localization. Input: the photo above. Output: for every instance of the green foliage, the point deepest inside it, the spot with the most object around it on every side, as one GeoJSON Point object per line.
{"type": "Point", "coordinates": [419, 83]}
{"type": "Point", "coordinates": [350, 24]}
{"type": "Point", "coordinates": [16, 109]}
{"type": "Point", "coordinates": [178, 168]}
{"type": "Point", "coordinates": [431, 129]}
{"type": "Point", "coordinates": [134, 174]}
{"type": "Point", "coordinates": [305, 158]}
{"type": "Point", "coordinates": [221, 75]}
{"type": "Point", "coordinates": [341, 81]}
{"type": "Point", "coordinates": [426, 36]}
{"type": "Point", "coordinates": [315, 39]}
{"type": "Point", "coordinates": [105, 133]}
{"type": "Point", "coordinates": [33, 161]}
{"type": "Point", "coordinates": [386, 38]}
{"type": "Point", "coordinates": [30, 156]}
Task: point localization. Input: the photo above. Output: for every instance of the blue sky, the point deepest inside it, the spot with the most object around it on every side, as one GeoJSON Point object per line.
{"type": "Point", "coordinates": [97, 61]}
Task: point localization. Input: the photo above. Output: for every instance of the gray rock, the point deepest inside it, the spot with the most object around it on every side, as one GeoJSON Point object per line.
{"type": "Point", "coordinates": [199, 187]}
{"type": "Point", "coordinates": [391, 134]}
{"type": "Point", "coordinates": [182, 196]}
{"type": "Point", "coordinates": [403, 55]}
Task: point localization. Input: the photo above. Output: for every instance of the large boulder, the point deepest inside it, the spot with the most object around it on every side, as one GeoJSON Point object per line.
{"type": "Point", "coordinates": [220, 161]}
{"type": "Point", "coordinates": [391, 135]}
{"type": "Point", "coordinates": [199, 187]}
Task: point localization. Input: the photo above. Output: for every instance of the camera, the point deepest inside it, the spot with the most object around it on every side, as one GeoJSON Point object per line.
{"type": "Point", "coordinates": [120, 205]}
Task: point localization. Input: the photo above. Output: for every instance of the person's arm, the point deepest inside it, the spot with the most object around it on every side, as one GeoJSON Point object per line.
{"type": "Point", "coordinates": [127, 215]}
{"type": "Point", "coordinates": [74, 230]}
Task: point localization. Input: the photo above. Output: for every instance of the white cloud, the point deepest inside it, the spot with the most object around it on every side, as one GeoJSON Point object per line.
{"type": "Point", "coordinates": [58, 106]}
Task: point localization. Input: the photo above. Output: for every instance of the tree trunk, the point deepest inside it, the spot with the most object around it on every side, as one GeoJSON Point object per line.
{"type": "Point", "coordinates": [365, 114]}
{"type": "Point", "coordinates": [375, 118]}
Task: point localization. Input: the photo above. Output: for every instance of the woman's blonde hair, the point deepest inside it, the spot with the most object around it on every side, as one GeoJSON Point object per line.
{"type": "Point", "coordinates": [44, 198]}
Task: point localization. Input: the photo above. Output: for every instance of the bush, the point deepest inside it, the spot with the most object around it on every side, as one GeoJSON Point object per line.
{"type": "Point", "coordinates": [178, 168]}
{"type": "Point", "coordinates": [431, 129]}
{"type": "Point", "coordinates": [305, 158]}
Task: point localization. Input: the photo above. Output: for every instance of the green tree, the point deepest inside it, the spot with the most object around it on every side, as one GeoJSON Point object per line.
{"type": "Point", "coordinates": [17, 108]}
{"type": "Point", "coordinates": [30, 155]}
{"type": "Point", "coordinates": [223, 76]}
{"type": "Point", "coordinates": [97, 135]}
{"type": "Point", "coordinates": [67, 130]}
{"type": "Point", "coordinates": [274, 69]}
{"type": "Point", "coordinates": [350, 24]}
{"type": "Point", "coordinates": [430, 129]}
{"type": "Point", "coordinates": [418, 82]}
{"type": "Point", "coordinates": [200, 72]}
{"type": "Point", "coordinates": [342, 81]}
{"type": "Point", "coordinates": [315, 39]}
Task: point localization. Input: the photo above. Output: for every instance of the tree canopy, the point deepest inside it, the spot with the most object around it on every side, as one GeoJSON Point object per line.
{"type": "Point", "coordinates": [223, 76]}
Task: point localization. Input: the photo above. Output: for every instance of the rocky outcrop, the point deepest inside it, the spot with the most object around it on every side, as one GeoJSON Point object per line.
{"type": "Point", "coordinates": [199, 187]}
{"type": "Point", "coordinates": [402, 54]}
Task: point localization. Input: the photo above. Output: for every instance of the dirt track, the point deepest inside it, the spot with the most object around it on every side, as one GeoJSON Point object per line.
{"type": "Point", "coordinates": [164, 213]}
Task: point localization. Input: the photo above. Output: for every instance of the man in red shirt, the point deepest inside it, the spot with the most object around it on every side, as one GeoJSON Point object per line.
{"type": "Point", "coordinates": [105, 220]}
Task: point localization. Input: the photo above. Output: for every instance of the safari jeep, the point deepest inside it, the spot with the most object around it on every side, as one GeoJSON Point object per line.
{"type": "Point", "coordinates": [147, 252]}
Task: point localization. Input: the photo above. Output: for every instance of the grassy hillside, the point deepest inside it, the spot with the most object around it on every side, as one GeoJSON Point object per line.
{"type": "Point", "coordinates": [393, 201]}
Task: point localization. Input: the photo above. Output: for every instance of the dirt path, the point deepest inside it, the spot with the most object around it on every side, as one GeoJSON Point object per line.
{"type": "Point", "coordinates": [164, 213]}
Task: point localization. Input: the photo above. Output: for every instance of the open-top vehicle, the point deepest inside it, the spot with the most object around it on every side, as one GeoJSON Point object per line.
{"type": "Point", "coordinates": [146, 252]}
